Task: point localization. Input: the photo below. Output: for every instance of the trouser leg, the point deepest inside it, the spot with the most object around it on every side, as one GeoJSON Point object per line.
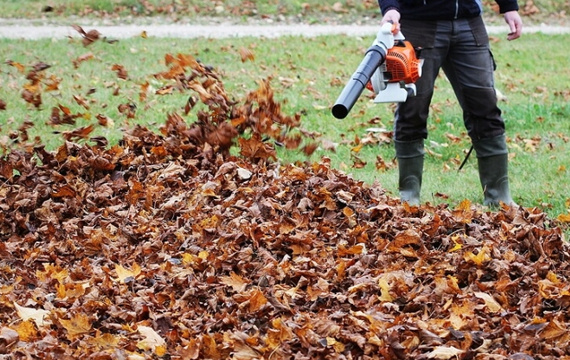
{"type": "Point", "coordinates": [470, 68]}
{"type": "Point", "coordinates": [410, 118]}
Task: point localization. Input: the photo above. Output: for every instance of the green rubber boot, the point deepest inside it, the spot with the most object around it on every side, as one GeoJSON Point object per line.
{"type": "Point", "coordinates": [410, 155]}
{"type": "Point", "coordinates": [493, 158]}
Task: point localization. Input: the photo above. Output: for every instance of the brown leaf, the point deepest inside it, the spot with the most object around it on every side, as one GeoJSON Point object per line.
{"type": "Point", "coordinates": [91, 37]}
{"type": "Point", "coordinates": [64, 191]}
{"type": "Point", "coordinates": [236, 282]}
{"type": "Point", "coordinates": [121, 71]}
{"type": "Point", "coordinates": [79, 133]}
{"type": "Point", "coordinates": [255, 149]}
{"type": "Point", "coordinates": [81, 101]}
{"type": "Point", "coordinates": [82, 58]}
{"type": "Point", "coordinates": [246, 55]}
{"type": "Point", "coordinates": [32, 96]}
{"type": "Point", "coordinates": [21, 68]}
{"type": "Point", "coordinates": [8, 338]}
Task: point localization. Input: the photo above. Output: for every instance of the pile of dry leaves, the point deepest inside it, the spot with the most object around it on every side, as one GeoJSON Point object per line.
{"type": "Point", "coordinates": [167, 246]}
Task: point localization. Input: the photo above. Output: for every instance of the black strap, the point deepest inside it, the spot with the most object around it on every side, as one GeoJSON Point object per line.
{"type": "Point", "coordinates": [466, 157]}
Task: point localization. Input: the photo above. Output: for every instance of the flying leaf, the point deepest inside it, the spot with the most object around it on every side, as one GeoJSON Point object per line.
{"type": "Point", "coordinates": [88, 37]}
{"type": "Point", "coordinates": [81, 101]}
{"type": "Point", "coordinates": [21, 68]}
{"type": "Point", "coordinates": [255, 149]}
{"type": "Point", "coordinates": [77, 134]}
{"type": "Point", "coordinates": [246, 54]}
{"type": "Point", "coordinates": [121, 71]}
{"type": "Point", "coordinates": [82, 58]}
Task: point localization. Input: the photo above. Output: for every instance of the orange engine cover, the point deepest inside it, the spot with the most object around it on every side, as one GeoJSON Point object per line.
{"type": "Point", "coordinates": [402, 63]}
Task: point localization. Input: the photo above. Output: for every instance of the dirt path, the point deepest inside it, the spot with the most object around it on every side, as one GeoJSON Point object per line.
{"type": "Point", "coordinates": [30, 32]}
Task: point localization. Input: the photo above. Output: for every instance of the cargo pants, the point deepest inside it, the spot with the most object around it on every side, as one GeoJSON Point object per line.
{"type": "Point", "coordinates": [461, 49]}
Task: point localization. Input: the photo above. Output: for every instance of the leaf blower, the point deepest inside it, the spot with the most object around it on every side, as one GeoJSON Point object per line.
{"type": "Point", "coordinates": [390, 68]}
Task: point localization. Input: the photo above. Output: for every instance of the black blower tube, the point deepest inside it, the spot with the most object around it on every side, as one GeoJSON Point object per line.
{"type": "Point", "coordinates": [374, 57]}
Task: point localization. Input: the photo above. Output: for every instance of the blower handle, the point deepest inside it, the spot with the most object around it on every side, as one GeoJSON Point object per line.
{"type": "Point", "coordinates": [374, 57]}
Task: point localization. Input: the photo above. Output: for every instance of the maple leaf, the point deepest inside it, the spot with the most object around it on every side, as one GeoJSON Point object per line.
{"type": "Point", "coordinates": [104, 120]}
{"type": "Point", "coordinates": [26, 330]}
{"type": "Point", "coordinates": [64, 191]}
{"type": "Point", "coordinates": [124, 274]}
{"type": "Point", "coordinates": [479, 258]}
{"type": "Point", "coordinates": [104, 340]}
{"type": "Point", "coordinates": [236, 282]}
{"type": "Point", "coordinates": [78, 324]}
{"type": "Point", "coordinates": [255, 149]}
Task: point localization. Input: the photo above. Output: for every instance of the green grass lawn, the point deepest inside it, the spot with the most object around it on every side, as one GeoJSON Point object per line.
{"type": "Point", "coordinates": [307, 75]}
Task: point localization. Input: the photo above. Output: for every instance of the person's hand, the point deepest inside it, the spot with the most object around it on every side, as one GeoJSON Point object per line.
{"type": "Point", "coordinates": [392, 16]}
{"type": "Point", "coordinates": [514, 21]}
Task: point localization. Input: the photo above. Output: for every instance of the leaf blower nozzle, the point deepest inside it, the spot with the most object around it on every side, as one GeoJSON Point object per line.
{"type": "Point", "coordinates": [390, 68]}
{"type": "Point", "coordinates": [375, 55]}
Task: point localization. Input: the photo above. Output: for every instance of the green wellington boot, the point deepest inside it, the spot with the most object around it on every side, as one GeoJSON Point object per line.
{"type": "Point", "coordinates": [493, 158]}
{"type": "Point", "coordinates": [410, 155]}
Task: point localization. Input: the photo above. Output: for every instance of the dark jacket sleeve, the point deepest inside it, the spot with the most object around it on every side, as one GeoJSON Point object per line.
{"type": "Point", "coordinates": [386, 5]}
{"type": "Point", "coordinates": [507, 5]}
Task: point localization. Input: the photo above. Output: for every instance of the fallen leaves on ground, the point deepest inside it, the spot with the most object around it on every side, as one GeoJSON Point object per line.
{"type": "Point", "coordinates": [169, 245]}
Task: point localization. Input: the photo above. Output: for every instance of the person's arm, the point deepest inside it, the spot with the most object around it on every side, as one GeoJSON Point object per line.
{"type": "Point", "coordinates": [514, 21]}
{"type": "Point", "coordinates": [386, 5]}
{"type": "Point", "coordinates": [509, 9]}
